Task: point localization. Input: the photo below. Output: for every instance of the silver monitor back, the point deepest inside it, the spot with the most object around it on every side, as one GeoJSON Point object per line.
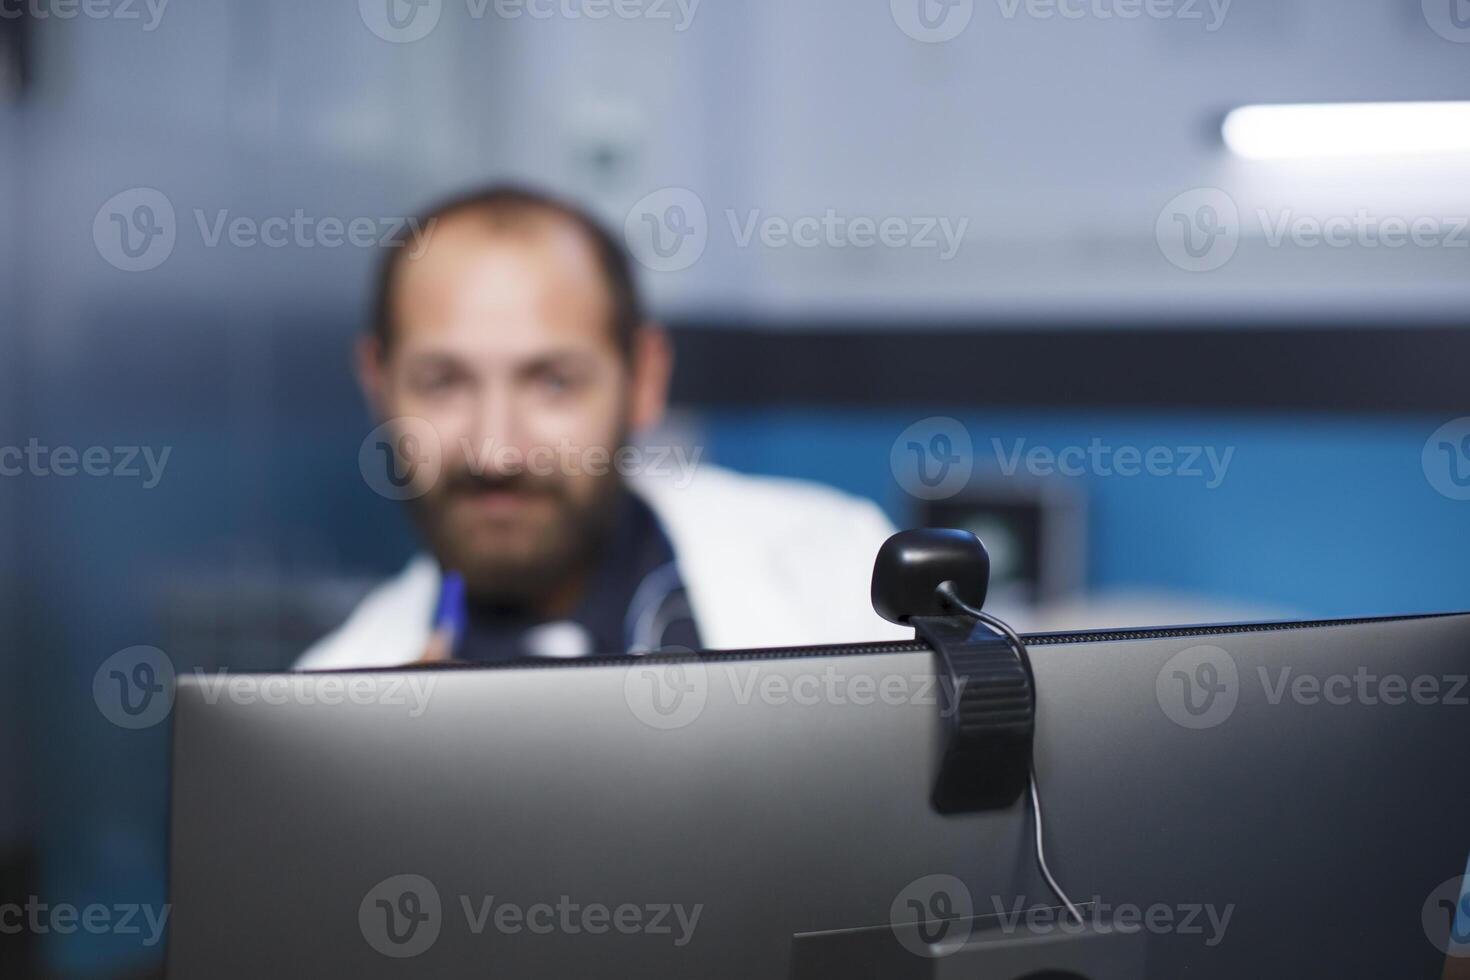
{"type": "Point", "coordinates": [715, 816]}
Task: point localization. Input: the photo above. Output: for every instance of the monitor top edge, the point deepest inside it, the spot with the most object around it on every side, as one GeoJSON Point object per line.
{"type": "Point", "coordinates": [1119, 634]}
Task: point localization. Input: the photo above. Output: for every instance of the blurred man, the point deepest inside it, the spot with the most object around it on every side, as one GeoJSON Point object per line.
{"type": "Point", "coordinates": [512, 365]}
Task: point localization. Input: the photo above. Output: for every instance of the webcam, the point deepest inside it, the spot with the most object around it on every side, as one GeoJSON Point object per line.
{"type": "Point", "coordinates": [913, 565]}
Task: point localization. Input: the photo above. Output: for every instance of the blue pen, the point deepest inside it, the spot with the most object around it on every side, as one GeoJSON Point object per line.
{"type": "Point", "coordinates": [449, 619]}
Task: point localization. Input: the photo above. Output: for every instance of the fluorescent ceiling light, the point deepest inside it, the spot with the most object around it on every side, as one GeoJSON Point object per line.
{"type": "Point", "coordinates": [1348, 129]}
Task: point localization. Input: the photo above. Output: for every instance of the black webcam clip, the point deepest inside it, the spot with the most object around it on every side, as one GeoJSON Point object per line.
{"type": "Point", "coordinates": [934, 579]}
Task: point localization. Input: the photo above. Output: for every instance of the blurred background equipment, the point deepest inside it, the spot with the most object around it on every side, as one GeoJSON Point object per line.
{"type": "Point", "coordinates": [1036, 535]}
{"type": "Point", "coordinates": [14, 55]}
{"type": "Point", "coordinates": [1029, 225]}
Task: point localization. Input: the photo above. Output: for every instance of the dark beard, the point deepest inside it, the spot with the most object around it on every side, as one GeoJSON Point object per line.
{"type": "Point", "coordinates": [547, 557]}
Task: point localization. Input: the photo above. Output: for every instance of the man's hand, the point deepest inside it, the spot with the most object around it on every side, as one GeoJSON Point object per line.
{"type": "Point", "coordinates": [440, 647]}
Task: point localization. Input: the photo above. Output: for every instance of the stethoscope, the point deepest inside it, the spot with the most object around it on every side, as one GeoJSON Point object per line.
{"type": "Point", "coordinates": [650, 613]}
{"type": "Point", "coordinates": [647, 620]}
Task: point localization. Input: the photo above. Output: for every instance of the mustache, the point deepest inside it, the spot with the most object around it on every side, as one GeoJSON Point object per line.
{"type": "Point", "coordinates": [467, 482]}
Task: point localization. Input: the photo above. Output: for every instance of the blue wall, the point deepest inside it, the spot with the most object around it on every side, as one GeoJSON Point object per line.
{"type": "Point", "coordinates": [1323, 515]}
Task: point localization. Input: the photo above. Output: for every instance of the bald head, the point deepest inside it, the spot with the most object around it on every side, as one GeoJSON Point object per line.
{"type": "Point", "coordinates": [505, 217]}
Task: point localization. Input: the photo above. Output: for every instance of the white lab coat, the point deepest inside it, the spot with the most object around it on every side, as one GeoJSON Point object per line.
{"type": "Point", "coordinates": [765, 561]}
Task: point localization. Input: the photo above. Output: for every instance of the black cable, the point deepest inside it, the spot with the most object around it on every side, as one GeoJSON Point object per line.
{"type": "Point", "coordinates": [947, 591]}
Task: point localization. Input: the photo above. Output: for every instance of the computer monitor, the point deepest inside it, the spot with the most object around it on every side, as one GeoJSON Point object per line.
{"type": "Point", "coordinates": [1260, 800]}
